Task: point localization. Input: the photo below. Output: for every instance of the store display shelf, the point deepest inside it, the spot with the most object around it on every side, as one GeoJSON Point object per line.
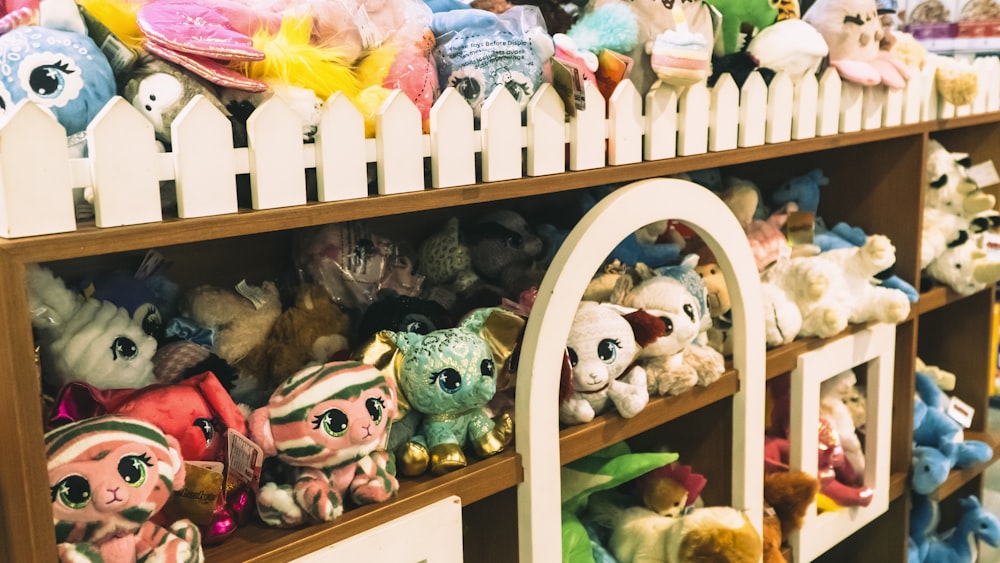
{"type": "Point", "coordinates": [580, 440]}
{"type": "Point", "coordinates": [959, 477]}
{"type": "Point", "coordinates": [255, 543]}
{"type": "Point", "coordinates": [898, 485]}
{"type": "Point", "coordinates": [784, 358]}
{"type": "Point", "coordinates": [89, 240]}
{"type": "Point", "coordinates": [936, 298]}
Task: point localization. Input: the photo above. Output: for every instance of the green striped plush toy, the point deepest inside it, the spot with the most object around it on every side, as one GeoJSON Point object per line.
{"type": "Point", "coordinates": [108, 475]}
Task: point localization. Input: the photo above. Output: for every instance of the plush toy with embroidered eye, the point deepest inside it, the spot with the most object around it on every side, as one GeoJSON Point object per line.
{"type": "Point", "coordinates": [57, 66]}
{"type": "Point", "coordinates": [87, 340]}
{"type": "Point", "coordinates": [109, 475]}
{"type": "Point", "coordinates": [449, 376]}
{"type": "Point", "coordinates": [329, 423]}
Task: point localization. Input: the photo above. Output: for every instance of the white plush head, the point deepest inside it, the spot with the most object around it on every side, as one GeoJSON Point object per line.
{"type": "Point", "coordinates": [949, 187]}
{"type": "Point", "coordinates": [671, 301]}
{"type": "Point", "coordinates": [852, 28]}
{"type": "Point", "coordinates": [601, 345]}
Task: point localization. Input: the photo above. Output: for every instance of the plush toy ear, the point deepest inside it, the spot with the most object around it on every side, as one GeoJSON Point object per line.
{"type": "Point", "coordinates": [176, 462]}
{"type": "Point", "coordinates": [646, 327]}
{"type": "Point", "coordinates": [62, 15]}
{"type": "Point", "coordinates": [622, 286]}
{"type": "Point", "coordinates": [475, 320]}
{"type": "Point", "coordinates": [219, 400]}
{"type": "Point", "coordinates": [260, 431]}
{"type": "Point", "coordinates": [406, 341]}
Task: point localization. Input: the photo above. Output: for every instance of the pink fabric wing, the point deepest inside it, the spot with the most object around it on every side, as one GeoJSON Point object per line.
{"type": "Point", "coordinates": [189, 27]}
{"type": "Point", "coordinates": [210, 70]}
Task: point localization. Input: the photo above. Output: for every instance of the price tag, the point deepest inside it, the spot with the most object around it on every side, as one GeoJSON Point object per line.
{"type": "Point", "coordinates": [255, 294]}
{"type": "Point", "coordinates": [961, 412]}
{"type": "Point", "coordinates": [152, 262]}
{"type": "Point", "coordinates": [984, 174]}
{"type": "Point", "coordinates": [800, 227]}
{"type": "Point", "coordinates": [245, 458]}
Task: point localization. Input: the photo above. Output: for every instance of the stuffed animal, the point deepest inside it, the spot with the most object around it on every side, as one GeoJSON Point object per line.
{"type": "Point", "coordinates": [853, 31]}
{"type": "Point", "coordinates": [329, 423]}
{"type": "Point", "coordinates": [402, 313]}
{"type": "Point", "coordinates": [771, 537]}
{"type": "Point", "coordinates": [843, 235]}
{"type": "Point", "coordinates": [602, 345]}
{"type": "Point", "coordinates": [759, 14]}
{"type": "Point", "coordinates": [160, 90]}
{"type": "Point", "coordinates": [720, 308]}
{"type": "Point", "coordinates": [935, 427]}
{"type": "Point", "coordinates": [503, 250]}
{"type": "Point", "coordinates": [313, 330]}
{"type": "Point", "coordinates": [955, 79]}
{"type": "Point", "coordinates": [803, 190]}
{"type": "Point", "coordinates": [803, 282]}
{"type": "Point", "coordinates": [964, 265]}
{"type": "Point", "coordinates": [87, 340]}
{"type": "Point", "coordinates": [769, 47]}
{"type": "Point", "coordinates": [674, 363]}
{"type": "Point", "coordinates": [197, 412]}
{"type": "Point", "coordinates": [449, 376]}
{"type": "Point", "coordinates": [789, 494]}
{"type": "Point", "coordinates": [241, 319]}
{"type": "Point", "coordinates": [833, 393]}
{"type": "Point", "coordinates": [958, 545]}
{"type": "Point", "coordinates": [949, 187]}
{"type": "Point", "coordinates": [478, 51]}
{"type": "Point", "coordinates": [109, 476]}
{"type": "Point", "coordinates": [57, 66]}
{"type": "Point", "coordinates": [670, 490]}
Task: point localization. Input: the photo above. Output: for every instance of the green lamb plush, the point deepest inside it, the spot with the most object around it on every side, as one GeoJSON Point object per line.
{"type": "Point", "coordinates": [735, 13]}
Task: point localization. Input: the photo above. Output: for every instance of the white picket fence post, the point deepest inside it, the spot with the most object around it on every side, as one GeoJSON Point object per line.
{"type": "Point", "coordinates": [892, 107]}
{"type": "Point", "coordinates": [399, 146]}
{"type": "Point", "coordinates": [660, 122]}
{"type": "Point", "coordinates": [36, 196]}
{"type": "Point", "coordinates": [872, 106]}
{"type": "Point", "coordinates": [928, 94]}
{"type": "Point", "coordinates": [453, 150]}
{"type": "Point", "coordinates": [692, 120]}
{"type": "Point", "coordinates": [780, 97]}
{"type": "Point", "coordinates": [851, 106]}
{"type": "Point", "coordinates": [277, 166]}
{"type": "Point", "coordinates": [828, 107]}
{"type": "Point", "coordinates": [204, 161]}
{"type": "Point", "coordinates": [587, 131]}
{"type": "Point", "coordinates": [625, 125]}
{"type": "Point", "coordinates": [723, 114]}
{"type": "Point", "coordinates": [500, 122]}
{"type": "Point", "coordinates": [341, 162]}
{"type": "Point", "coordinates": [913, 97]}
{"type": "Point", "coordinates": [124, 166]}
{"type": "Point", "coordinates": [753, 111]}
{"type": "Point", "coordinates": [804, 107]}
{"type": "Point", "coordinates": [993, 85]}
{"type": "Point", "coordinates": [546, 127]}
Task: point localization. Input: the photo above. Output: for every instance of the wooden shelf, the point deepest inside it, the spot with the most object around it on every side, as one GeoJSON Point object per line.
{"type": "Point", "coordinates": [89, 240]}
{"type": "Point", "coordinates": [582, 439]}
{"type": "Point", "coordinates": [784, 359]}
{"type": "Point", "coordinates": [258, 543]}
{"type": "Point", "coordinates": [959, 477]}
{"type": "Point", "coordinates": [898, 485]}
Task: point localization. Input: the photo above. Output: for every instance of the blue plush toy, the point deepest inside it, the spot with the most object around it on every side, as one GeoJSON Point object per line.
{"type": "Point", "coordinates": [477, 51]}
{"type": "Point", "coordinates": [59, 68]}
{"type": "Point", "coordinates": [449, 375]}
{"type": "Point", "coordinates": [956, 545]}
{"type": "Point", "coordinates": [803, 190]}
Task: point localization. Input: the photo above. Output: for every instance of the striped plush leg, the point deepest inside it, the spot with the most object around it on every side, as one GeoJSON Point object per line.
{"type": "Point", "coordinates": [316, 497]}
{"type": "Point", "coordinates": [372, 480]}
{"type": "Point", "coordinates": [179, 544]}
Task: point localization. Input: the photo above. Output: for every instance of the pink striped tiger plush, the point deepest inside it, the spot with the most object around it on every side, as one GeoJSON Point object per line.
{"type": "Point", "coordinates": [108, 476]}
{"type": "Point", "coordinates": [330, 424]}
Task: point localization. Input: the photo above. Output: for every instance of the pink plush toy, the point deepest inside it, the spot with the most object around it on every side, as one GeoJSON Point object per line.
{"type": "Point", "coordinates": [330, 424]}
{"type": "Point", "coordinates": [852, 29]}
{"type": "Point", "coordinates": [109, 475]}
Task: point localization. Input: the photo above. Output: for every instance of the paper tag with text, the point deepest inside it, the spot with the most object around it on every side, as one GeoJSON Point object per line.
{"type": "Point", "coordinates": [984, 174]}
{"type": "Point", "coordinates": [245, 458]}
{"type": "Point", "coordinates": [960, 411]}
{"type": "Point", "coordinates": [255, 294]}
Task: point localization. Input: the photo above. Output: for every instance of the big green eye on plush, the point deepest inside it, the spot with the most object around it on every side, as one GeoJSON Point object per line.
{"type": "Point", "coordinates": [375, 406]}
{"type": "Point", "coordinates": [132, 468]}
{"type": "Point", "coordinates": [333, 421]}
{"type": "Point", "coordinates": [73, 491]}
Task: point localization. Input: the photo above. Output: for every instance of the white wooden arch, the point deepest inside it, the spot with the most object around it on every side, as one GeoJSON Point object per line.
{"type": "Point", "coordinates": [594, 237]}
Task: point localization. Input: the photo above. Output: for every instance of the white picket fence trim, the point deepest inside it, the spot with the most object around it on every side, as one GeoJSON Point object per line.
{"type": "Point", "coordinates": [124, 170]}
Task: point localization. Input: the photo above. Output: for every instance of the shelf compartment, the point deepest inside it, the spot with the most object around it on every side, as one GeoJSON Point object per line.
{"type": "Point", "coordinates": [784, 359]}
{"type": "Point", "coordinates": [959, 477]}
{"type": "Point", "coordinates": [255, 543]}
{"type": "Point", "coordinates": [583, 439]}
{"type": "Point", "coordinates": [873, 347]}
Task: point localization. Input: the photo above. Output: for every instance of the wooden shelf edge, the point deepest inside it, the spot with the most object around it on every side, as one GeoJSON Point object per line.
{"type": "Point", "coordinates": [88, 240]}
{"type": "Point", "coordinates": [897, 485]}
{"type": "Point", "coordinates": [939, 297]}
{"type": "Point", "coordinates": [259, 544]}
{"type": "Point", "coordinates": [583, 439]}
{"type": "Point", "coordinates": [784, 359]}
{"type": "Point", "coordinates": [959, 477]}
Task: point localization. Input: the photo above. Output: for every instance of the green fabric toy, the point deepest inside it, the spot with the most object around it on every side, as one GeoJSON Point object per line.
{"type": "Point", "coordinates": [758, 13]}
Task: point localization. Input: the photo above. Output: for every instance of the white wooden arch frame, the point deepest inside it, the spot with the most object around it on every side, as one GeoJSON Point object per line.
{"type": "Point", "coordinates": [594, 237]}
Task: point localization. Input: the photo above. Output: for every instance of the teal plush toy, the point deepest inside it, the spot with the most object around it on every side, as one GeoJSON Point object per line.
{"type": "Point", "coordinates": [758, 13]}
{"type": "Point", "coordinates": [449, 376]}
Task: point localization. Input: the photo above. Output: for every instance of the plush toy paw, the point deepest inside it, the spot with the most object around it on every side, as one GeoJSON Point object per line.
{"type": "Point", "coordinates": [707, 363]}
{"type": "Point", "coordinates": [670, 378]}
{"type": "Point", "coordinates": [895, 306]}
{"type": "Point", "coordinates": [412, 459]}
{"type": "Point", "coordinates": [576, 411]}
{"type": "Point", "coordinates": [318, 500]}
{"type": "Point", "coordinates": [445, 458]}
{"type": "Point", "coordinates": [824, 322]}
{"type": "Point", "coordinates": [277, 507]}
{"type": "Point", "coordinates": [630, 398]}
{"type": "Point", "coordinates": [878, 252]}
{"type": "Point", "coordinates": [494, 441]}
